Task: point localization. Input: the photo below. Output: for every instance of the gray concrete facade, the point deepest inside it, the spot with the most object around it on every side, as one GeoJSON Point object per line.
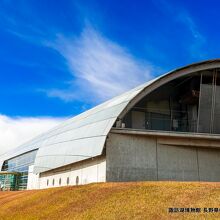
{"type": "Point", "coordinates": [134, 157]}
{"type": "Point", "coordinates": [130, 158]}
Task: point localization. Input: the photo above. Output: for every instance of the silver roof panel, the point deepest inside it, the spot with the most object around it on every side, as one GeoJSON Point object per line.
{"type": "Point", "coordinates": [84, 135]}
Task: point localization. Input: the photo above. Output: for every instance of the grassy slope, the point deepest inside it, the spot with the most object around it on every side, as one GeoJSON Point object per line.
{"type": "Point", "coordinates": [142, 200]}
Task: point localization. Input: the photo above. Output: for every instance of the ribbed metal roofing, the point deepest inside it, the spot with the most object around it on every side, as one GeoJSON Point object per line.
{"type": "Point", "coordinates": [76, 139]}
{"type": "Point", "coordinates": [84, 136]}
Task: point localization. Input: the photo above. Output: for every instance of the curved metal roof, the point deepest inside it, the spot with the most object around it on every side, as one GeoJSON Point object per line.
{"type": "Point", "coordinates": [84, 136]}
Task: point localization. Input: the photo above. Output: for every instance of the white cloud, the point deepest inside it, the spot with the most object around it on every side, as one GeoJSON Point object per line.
{"type": "Point", "coordinates": [15, 131]}
{"type": "Point", "coordinates": [100, 68]}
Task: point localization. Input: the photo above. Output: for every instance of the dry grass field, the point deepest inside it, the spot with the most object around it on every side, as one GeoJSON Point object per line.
{"type": "Point", "coordinates": [141, 200]}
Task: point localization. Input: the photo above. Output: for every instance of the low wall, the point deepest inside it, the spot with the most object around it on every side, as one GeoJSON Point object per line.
{"type": "Point", "coordinates": [131, 157]}
{"type": "Point", "coordinates": [89, 171]}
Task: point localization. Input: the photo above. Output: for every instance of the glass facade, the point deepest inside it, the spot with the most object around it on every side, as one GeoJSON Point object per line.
{"type": "Point", "coordinates": [9, 181]}
{"type": "Point", "coordinates": [20, 164]}
{"type": "Point", "coordinates": [187, 104]}
{"type": "Point", "coordinates": [209, 107]}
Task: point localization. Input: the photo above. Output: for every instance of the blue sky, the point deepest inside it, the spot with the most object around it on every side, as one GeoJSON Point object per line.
{"type": "Point", "coordinates": [59, 58]}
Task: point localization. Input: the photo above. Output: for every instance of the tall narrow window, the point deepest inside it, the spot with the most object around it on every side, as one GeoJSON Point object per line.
{"type": "Point", "coordinates": [77, 180]}
{"type": "Point", "coordinates": [47, 182]}
{"type": "Point", "coordinates": [53, 182]}
{"type": "Point", "coordinates": [60, 181]}
{"type": "Point", "coordinates": [67, 181]}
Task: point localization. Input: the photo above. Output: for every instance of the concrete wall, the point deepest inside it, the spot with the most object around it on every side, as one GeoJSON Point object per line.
{"type": "Point", "coordinates": [209, 164]}
{"type": "Point", "coordinates": [130, 158]}
{"type": "Point", "coordinates": [33, 179]}
{"type": "Point", "coordinates": [136, 158]}
{"type": "Point", "coordinates": [177, 163]}
{"type": "Point", "coordinates": [87, 172]}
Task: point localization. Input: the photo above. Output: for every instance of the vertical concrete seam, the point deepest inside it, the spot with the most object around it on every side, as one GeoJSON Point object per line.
{"type": "Point", "coordinates": [198, 163]}
{"type": "Point", "coordinates": [157, 159]}
{"type": "Point", "coordinates": [135, 153]}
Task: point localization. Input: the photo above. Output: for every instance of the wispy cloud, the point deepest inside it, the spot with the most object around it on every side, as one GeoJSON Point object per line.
{"type": "Point", "coordinates": [182, 16]}
{"type": "Point", "coordinates": [100, 67]}
{"type": "Point", "coordinates": [17, 130]}
{"type": "Point", "coordinates": [198, 39]}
